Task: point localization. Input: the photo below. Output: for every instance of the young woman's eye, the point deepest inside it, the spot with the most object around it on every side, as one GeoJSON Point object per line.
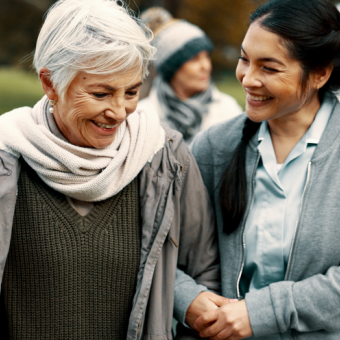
{"type": "Point", "coordinates": [270, 69]}
{"type": "Point", "coordinates": [100, 95]}
{"type": "Point", "coordinates": [243, 58]}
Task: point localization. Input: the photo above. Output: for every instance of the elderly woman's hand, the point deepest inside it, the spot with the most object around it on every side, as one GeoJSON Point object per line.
{"type": "Point", "coordinates": [230, 321]}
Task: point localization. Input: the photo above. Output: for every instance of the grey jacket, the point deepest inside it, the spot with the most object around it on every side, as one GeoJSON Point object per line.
{"type": "Point", "coordinates": [308, 301]}
{"type": "Point", "coordinates": [178, 227]}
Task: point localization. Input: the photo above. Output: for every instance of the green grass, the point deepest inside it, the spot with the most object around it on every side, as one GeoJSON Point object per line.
{"type": "Point", "coordinates": [18, 88]}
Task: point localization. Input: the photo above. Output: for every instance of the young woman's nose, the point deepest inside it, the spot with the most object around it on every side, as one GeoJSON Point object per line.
{"type": "Point", "coordinates": [250, 77]}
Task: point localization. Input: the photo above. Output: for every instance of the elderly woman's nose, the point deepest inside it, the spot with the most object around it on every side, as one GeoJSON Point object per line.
{"type": "Point", "coordinates": [116, 112]}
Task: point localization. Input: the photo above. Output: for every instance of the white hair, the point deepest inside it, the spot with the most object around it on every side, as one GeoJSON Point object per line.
{"type": "Point", "coordinates": [95, 36]}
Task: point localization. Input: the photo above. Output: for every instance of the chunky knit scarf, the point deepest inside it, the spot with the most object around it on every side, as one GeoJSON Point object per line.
{"type": "Point", "coordinates": [183, 116]}
{"type": "Point", "coordinates": [85, 174]}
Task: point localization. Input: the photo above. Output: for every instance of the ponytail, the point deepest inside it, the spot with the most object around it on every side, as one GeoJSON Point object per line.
{"type": "Point", "coordinates": [233, 192]}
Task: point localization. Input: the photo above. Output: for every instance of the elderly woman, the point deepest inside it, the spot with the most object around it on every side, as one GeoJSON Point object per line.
{"type": "Point", "coordinates": [182, 93]}
{"type": "Point", "coordinates": [277, 169]}
{"type": "Point", "coordinates": [93, 193]}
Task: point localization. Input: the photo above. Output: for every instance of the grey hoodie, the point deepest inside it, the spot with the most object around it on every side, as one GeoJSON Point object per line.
{"type": "Point", "coordinates": [178, 227]}
{"type": "Point", "coordinates": [308, 301]}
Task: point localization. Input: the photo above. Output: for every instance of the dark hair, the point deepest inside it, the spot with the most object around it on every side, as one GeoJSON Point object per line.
{"type": "Point", "coordinates": [310, 31]}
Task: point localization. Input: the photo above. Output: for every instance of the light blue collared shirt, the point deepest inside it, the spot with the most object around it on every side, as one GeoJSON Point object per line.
{"type": "Point", "coordinates": [271, 223]}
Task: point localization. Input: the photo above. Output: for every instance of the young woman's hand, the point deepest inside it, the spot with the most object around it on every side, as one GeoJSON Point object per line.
{"type": "Point", "coordinates": [230, 321]}
{"type": "Point", "coordinates": [203, 303]}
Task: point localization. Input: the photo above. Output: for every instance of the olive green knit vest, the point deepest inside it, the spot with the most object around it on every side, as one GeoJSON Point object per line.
{"type": "Point", "coordinates": [70, 277]}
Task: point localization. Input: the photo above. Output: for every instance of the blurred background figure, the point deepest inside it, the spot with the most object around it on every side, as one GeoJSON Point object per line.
{"type": "Point", "coordinates": [182, 92]}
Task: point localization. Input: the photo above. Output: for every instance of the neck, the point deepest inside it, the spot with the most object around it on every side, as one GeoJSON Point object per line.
{"type": "Point", "coordinates": [295, 124]}
{"type": "Point", "coordinates": [286, 131]}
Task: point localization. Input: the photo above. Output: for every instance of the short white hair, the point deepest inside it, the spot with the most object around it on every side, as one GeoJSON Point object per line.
{"type": "Point", "coordinates": [95, 36]}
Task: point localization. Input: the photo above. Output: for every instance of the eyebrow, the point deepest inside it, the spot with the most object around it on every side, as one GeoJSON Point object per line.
{"type": "Point", "coordinates": [110, 88]}
{"type": "Point", "coordinates": [273, 60]}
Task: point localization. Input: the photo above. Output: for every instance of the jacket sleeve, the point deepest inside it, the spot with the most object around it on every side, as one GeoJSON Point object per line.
{"type": "Point", "coordinates": [305, 306]}
{"type": "Point", "coordinates": [9, 174]}
{"type": "Point", "coordinates": [198, 258]}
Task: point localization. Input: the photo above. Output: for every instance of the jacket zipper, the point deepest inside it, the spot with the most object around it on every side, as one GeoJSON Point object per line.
{"type": "Point", "coordinates": [296, 228]}
{"type": "Point", "coordinates": [243, 241]}
{"type": "Point", "coordinates": [297, 222]}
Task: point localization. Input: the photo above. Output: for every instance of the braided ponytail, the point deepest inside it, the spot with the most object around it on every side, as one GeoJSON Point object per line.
{"type": "Point", "coordinates": [233, 192]}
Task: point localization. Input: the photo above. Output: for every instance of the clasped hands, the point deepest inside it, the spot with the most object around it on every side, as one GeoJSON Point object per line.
{"type": "Point", "coordinates": [217, 318]}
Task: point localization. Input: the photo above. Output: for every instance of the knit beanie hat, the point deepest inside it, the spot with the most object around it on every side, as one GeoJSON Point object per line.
{"type": "Point", "coordinates": [177, 41]}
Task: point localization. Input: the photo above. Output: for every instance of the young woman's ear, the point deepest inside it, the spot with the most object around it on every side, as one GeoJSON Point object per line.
{"type": "Point", "coordinates": [45, 78]}
{"type": "Point", "coordinates": [320, 77]}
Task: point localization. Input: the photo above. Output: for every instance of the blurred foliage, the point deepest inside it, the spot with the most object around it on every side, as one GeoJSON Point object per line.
{"type": "Point", "coordinates": [225, 22]}
{"type": "Point", "coordinates": [20, 22]}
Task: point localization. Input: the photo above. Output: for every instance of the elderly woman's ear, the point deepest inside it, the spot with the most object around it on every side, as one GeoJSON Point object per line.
{"type": "Point", "coordinates": [45, 78]}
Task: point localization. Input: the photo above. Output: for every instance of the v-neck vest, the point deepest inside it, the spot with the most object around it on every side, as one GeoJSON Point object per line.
{"type": "Point", "coordinates": [68, 276]}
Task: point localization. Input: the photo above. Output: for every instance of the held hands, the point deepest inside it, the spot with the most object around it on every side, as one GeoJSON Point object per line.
{"type": "Point", "coordinates": [219, 317]}
{"type": "Point", "coordinates": [204, 302]}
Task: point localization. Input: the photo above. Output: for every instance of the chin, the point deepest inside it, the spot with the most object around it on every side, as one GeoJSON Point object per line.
{"type": "Point", "coordinates": [255, 116]}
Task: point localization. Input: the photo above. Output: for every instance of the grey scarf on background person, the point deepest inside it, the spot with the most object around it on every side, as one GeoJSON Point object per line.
{"type": "Point", "coordinates": [183, 116]}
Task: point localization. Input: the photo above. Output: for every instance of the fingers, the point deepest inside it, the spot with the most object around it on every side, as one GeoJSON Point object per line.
{"type": "Point", "coordinates": [225, 334]}
{"type": "Point", "coordinates": [205, 319]}
{"type": "Point", "coordinates": [231, 321]}
{"type": "Point", "coordinates": [216, 331]}
{"type": "Point", "coordinates": [201, 304]}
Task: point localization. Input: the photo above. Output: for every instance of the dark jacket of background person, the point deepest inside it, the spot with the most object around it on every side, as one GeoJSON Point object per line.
{"type": "Point", "coordinates": [177, 227]}
{"type": "Point", "coordinates": [308, 301]}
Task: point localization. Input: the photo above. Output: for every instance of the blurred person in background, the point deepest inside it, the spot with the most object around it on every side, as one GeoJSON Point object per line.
{"type": "Point", "coordinates": [273, 176]}
{"type": "Point", "coordinates": [98, 202]}
{"type": "Point", "coordinates": [182, 93]}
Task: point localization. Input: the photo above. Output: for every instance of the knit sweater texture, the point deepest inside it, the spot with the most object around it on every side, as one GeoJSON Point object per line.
{"type": "Point", "coordinates": [68, 276]}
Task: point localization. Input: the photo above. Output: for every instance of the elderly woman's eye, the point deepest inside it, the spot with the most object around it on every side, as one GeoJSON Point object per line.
{"type": "Point", "coordinates": [100, 95]}
{"type": "Point", "coordinates": [132, 93]}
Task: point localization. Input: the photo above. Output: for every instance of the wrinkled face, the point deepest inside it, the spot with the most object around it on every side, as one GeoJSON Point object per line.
{"type": "Point", "coordinates": [194, 75]}
{"type": "Point", "coordinates": [95, 106]}
{"type": "Point", "coordinates": [270, 78]}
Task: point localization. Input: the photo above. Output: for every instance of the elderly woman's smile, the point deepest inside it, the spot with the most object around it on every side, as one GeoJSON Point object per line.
{"type": "Point", "coordinates": [94, 106]}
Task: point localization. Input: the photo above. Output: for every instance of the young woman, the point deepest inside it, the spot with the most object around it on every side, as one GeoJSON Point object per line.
{"type": "Point", "coordinates": [273, 175]}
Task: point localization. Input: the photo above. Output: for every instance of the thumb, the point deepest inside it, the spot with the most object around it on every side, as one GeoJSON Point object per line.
{"type": "Point", "coordinates": [219, 300]}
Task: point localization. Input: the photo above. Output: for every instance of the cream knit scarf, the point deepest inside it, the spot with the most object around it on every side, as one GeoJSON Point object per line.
{"type": "Point", "coordinates": [85, 174]}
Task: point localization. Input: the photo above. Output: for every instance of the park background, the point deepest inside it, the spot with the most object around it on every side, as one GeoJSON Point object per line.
{"type": "Point", "coordinates": [224, 21]}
